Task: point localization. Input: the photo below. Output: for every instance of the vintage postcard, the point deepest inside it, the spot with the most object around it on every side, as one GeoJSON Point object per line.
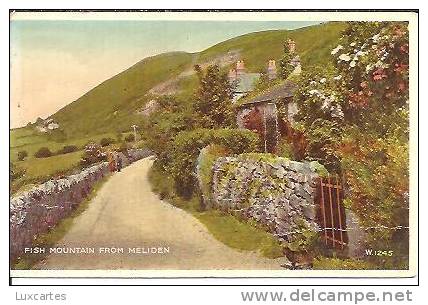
{"type": "Point", "coordinates": [213, 144]}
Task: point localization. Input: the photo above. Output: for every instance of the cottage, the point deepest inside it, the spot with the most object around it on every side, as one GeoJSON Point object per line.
{"type": "Point", "coordinates": [243, 81]}
{"type": "Point", "coordinates": [261, 113]}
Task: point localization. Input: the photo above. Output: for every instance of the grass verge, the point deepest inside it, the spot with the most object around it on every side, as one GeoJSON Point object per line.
{"type": "Point", "coordinates": [55, 234]}
{"type": "Point", "coordinates": [226, 228]}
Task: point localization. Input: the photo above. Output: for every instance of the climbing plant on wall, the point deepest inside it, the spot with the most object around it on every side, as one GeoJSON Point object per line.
{"type": "Point", "coordinates": [285, 67]}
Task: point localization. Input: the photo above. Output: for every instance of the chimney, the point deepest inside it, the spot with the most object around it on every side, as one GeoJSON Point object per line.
{"type": "Point", "coordinates": [240, 67]}
{"type": "Point", "coordinates": [271, 70]}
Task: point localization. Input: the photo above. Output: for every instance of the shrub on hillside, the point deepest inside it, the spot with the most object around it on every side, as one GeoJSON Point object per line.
{"type": "Point", "coordinates": [186, 146]}
{"type": "Point", "coordinates": [106, 141]}
{"type": "Point", "coordinates": [93, 154]}
{"type": "Point", "coordinates": [130, 138]}
{"type": "Point", "coordinates": [123, 148]}
{"type": "Point", "coordinates": [67, 149]}
{"type": "Point", "coordinates": [43, 152]}
{"type": "Point", "coordinates": [15, 172]}
{"type": "Point", "coordinates": [22, 154]}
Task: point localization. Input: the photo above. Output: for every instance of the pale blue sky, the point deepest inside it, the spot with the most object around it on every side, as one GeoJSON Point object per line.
{"type": "Point", "coordinates": [55, 62]}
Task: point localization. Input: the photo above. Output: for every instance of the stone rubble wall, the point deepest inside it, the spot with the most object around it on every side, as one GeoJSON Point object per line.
{"type": "Point", "coordinates": [35, 211]}
{"type": "Point", "coordinates": [275, 192]}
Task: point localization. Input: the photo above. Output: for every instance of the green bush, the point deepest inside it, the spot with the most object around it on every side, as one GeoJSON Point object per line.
{"type": "Point", "coordinates": [130, 138]}
{"type": "Point", "coordinates": [93, 154]}
{"type": "Point", "coordinates": [22, 154]}
{"type": "Point", "coordinates": [205, 170]}
{"type": "Point", "coordinates": [106, 141]}
{"type": "Point", "coordinates": [186, 146]}
{"type": "Point", "coordinates": [43, 152]}
{"type": "Point", "coordinates": [67, 149]}
{"type": "Point", "coordinates": [123, 148]}
{"type": "Point", "coordinates": [285, 149]}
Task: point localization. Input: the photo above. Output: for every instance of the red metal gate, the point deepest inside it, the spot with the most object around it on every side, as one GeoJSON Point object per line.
{"type": "Point", "coordinates": [331, 215]}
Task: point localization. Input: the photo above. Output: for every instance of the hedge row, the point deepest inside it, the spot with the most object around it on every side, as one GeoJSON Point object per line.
{"type": "Point", "coordinates": [185, 148]}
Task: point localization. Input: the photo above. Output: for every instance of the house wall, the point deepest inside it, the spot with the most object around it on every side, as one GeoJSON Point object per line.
{"type": "Point", "coordinates": [269, 131]}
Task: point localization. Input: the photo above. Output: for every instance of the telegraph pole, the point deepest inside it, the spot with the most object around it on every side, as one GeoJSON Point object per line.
{"type": "Point", "coordinates": [135, 132]}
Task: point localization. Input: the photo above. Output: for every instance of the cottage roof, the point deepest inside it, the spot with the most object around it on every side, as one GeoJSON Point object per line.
{"type": "Point", "coordinates": [246, 82]}
{"type": "Point", "coordinates": [283, 90]}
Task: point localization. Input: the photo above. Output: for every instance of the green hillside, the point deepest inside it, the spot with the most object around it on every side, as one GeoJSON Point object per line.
{"type": "Point", "coordinates": [111, 106]}
{"type": "Point", "coordinates": [313, 43]}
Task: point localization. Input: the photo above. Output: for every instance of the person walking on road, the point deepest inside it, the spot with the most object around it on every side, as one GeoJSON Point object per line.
{"type": "Point", "coordinates": [119, 163]}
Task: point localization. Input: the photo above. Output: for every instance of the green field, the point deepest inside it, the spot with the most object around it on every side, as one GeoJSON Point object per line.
{"type": "Point", "coordinates": [39, 170]}
{"type": "Point", "coordinates": [30, 140]}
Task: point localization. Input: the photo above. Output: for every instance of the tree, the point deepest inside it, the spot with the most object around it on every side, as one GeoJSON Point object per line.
{"type": "Point", "coordinates": [22, 154]}
{"type": "Point", "coordinates": [161, 126]}
{"type": "Point", "coordinates": [285, 67]}
{"type": "Point", "coordinates": [213, 106]}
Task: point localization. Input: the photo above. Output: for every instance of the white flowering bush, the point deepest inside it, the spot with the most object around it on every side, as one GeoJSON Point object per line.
{"type": "Point", "coordinates": [355, 115]}
{"type": "Point", "coordinates": [93, 153]}
{"type": "Point", "coordinates": [321, 114]}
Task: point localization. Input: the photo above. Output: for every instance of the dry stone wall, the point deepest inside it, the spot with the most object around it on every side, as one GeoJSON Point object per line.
{"type": "Point", "coordinates": [37, 210]}
{"type": "Point", "coordinates": [276, 192]}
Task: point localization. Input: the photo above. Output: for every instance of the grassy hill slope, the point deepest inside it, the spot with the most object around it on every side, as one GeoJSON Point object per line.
{"type": "Point", "coordinates": [313, 43]}
{"type": "Point", "coordinates": [110, 107]}
{"type": "Point", "coordinates": [113, 101]}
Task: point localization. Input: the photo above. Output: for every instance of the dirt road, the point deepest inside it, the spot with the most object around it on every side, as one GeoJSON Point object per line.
{"type": "Point", "coordinates": [126, 214]}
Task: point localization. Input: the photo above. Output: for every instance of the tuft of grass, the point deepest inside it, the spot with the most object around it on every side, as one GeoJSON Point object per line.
{"type": "Point", "coordinates": [327, 263]}
{"type": "Point", "coordinates": [55, 234]}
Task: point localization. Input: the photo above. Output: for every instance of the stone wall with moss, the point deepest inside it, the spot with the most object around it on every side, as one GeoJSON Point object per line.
{"type": "Point", "coordinates": [276, 192]}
